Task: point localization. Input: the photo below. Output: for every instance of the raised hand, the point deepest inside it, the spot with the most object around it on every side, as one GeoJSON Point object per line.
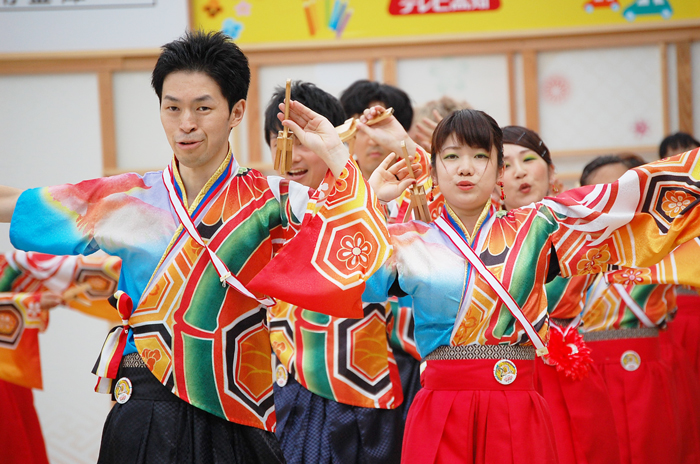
{"type": "Point", "coordinates": [390, 180]}
{"type": "Point", "coordinates": [387, 133]}
{"type": "Point", "coordinates": [424, 130]}
{"type": "Point", "coordinates": [316, 133]}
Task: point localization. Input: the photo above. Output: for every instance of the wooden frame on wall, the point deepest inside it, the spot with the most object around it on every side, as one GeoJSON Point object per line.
{"type": "Point", "coordinates": [387, 52]}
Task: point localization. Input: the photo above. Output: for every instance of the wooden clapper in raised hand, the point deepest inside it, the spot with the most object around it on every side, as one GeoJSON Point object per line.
{"type": "Point", "coordinates": [348, 130]}
{"type": "Point", "coordinates": [419, 204]}
{"type": "Point", "coordinates": [285, 140]}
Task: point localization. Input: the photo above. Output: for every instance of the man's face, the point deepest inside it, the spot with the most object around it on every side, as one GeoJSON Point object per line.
{"type": "Point", "coordinates": [196, 119]}
{"type": "Point", "coordinates": [307, 167]}
{"type": "Point", "coordinates": [368, 153]}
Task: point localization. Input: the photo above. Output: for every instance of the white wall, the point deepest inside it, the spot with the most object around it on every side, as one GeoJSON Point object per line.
{"type": "Point", "coordinates": [141, 142]}
{"type": "Point", "coordinates": [118, 25]}
{"type": "Point", "coordinates": [601, 98]}
{"type": "Point", "coordinates": [481, 81]}
{"type": "Point", "coordinates": [50, 129]}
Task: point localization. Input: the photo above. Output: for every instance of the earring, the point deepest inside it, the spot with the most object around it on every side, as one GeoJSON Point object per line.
{"type": "Point", "coordinates": [430, 194]}
{"type": "Point", "coordinates": [553, 187]}
{"type": "Point", "coordinates": [503, 194]}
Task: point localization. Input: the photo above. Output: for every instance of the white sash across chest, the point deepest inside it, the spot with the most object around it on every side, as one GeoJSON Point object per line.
{"type": "Point", "coordinates": [221, 269]}
{"type": "Point", "coordinates": [492, 281]}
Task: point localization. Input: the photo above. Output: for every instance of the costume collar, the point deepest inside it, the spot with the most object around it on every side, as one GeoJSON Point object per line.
{"type": "Point", "coordinates": [470, 237]}
{"type": "Point", "coordinates": [228, 167]}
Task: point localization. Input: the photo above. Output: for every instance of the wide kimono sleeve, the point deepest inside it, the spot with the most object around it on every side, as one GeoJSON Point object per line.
{"type": "Point", "coordinates": [343, 240]}
{"type": "Point", "coordinates": [22, 320]}
{"type": "Point", "coordinates": [633, 222]}
{"type": "Point", "coordinates": [127, 216]}
{"type": "Point", "coordinates": [680, 267]}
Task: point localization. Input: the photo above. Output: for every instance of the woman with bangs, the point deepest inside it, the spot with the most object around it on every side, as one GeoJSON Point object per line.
{"type": "Point", "coordinates": [477, 280]}
{"type": "Point", "coordinates": [582, 414]}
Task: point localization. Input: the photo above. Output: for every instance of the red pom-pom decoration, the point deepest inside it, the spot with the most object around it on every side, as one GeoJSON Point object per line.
{"type": "Point", "coordinates": [569, 353]}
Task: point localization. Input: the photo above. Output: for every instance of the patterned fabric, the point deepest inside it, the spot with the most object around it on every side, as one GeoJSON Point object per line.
{"type": "Point", "coordinates": [21, 321]}
{"type": "Point", "coordinates": [606, 309]}
{"type": "Point", "coordinates": [316, 430]}
{"type": "Point", "coordinates": [86, 282]}
{"type": "Point", "coordinates": [207, 343]}
{"type": "Point", "coordinates": [679, 267]}
{"type": "Point", "coordinates": [348, 360]}
{"type": "Point", "coordinates": [628, 223]}
{"type": "Point", "coordinates": [566, 296]}
{"type": "Point", "coordinates": [402, 333]}
{"type": "Point", "coordinates": [481, 352]}
{"type": "Point", "coordinates": [621, 334]}
{"type": "Point", "coordinates": [344, 360]}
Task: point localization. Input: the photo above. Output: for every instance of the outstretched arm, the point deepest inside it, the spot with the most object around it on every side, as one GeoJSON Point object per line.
{"type": "Point", "coordinates": [8, 200]}
{"type": "Point", "coordinates": [633, 222]}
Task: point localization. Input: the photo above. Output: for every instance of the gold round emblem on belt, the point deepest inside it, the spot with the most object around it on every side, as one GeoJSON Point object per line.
{"type": "Point", "coordinates": [630, 360]}
{"type": "Point", "coordinates": [281, 375]}
{"type": "Point", "coordinates": [505, 372]}
{"type": "Point", "coordinates": [123, 390]}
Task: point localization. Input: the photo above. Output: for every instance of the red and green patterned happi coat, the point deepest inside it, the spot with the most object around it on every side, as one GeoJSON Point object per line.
{"type": "Point", "coordinates": [211, 344]}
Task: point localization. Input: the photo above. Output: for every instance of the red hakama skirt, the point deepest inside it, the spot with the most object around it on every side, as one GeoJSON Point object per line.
{"type": "Point", "coordinates": [463, 415]}
{"type": "Point", "coordinates": [685, 389]}
{"type": "Point", "coordinates": [645, 415]}
{"type": "Point", "coordinates": [685, 328]}
{"type": "Point", "coordinates": [21, 440]}
{"type": "Point", "coordinates": [582, 414]}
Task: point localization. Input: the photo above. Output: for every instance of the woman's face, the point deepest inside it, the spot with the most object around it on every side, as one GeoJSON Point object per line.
{"type": "Point", "coordinates": [525, 177]}
{"type": "Point", "coordinates": [466, 176]}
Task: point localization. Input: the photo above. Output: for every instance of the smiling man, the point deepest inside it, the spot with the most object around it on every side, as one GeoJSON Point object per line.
{"type": "Point", "coordinates": [190, 368]}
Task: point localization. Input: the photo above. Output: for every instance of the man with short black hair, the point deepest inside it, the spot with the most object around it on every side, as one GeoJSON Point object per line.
{"type": "Point", "coordinates": [191, 369]}
{"type": "Point", "coordinates": [338, 393]}
{"type": "Point", "coordinates": [362, 95]}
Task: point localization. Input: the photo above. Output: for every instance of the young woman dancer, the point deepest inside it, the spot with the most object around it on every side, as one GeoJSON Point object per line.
{"type": "Point", "coordinates": [584, 426]}
{"type": "Point", "coordinates": [477, 282]}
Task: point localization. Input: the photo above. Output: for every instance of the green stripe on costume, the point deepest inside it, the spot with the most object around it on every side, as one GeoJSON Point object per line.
{"type": "Point", "coordinates": [201, 388]}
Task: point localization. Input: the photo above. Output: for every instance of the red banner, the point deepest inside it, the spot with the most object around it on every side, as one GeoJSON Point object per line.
{"type": "Point", "coordinates": [410, 7]}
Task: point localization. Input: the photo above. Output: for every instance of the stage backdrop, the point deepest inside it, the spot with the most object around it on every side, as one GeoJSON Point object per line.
{"type": "Point", "coordinates": [276, 21]}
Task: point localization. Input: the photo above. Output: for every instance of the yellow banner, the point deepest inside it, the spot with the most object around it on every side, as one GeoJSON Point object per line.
{"type": "Point", "coordinates": [275, 21]}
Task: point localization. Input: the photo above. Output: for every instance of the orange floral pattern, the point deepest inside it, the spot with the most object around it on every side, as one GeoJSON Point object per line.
{"type": "Point", "coordinates": [594, 260]}
{"type": "Point", "coordinates": [150, 357]}
{"type": "Point", "coordinates": [632, 276]}
{"type": "Point", "coordinates": [675, 202]}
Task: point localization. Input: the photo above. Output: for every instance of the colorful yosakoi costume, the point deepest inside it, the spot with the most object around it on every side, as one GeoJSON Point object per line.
{"type": "Point", "coordinates": [86, 283]}
{"type": "Point", "coordinates": [338, 389]}
{"type": "Point", "coordinates": [574, 388]}
{"type": "Point", "coordinates": [648, 406]}
{"type": "Point", "coordinates": [193, 359]}
{"type": "Point", "coordinates": [458, 280]}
